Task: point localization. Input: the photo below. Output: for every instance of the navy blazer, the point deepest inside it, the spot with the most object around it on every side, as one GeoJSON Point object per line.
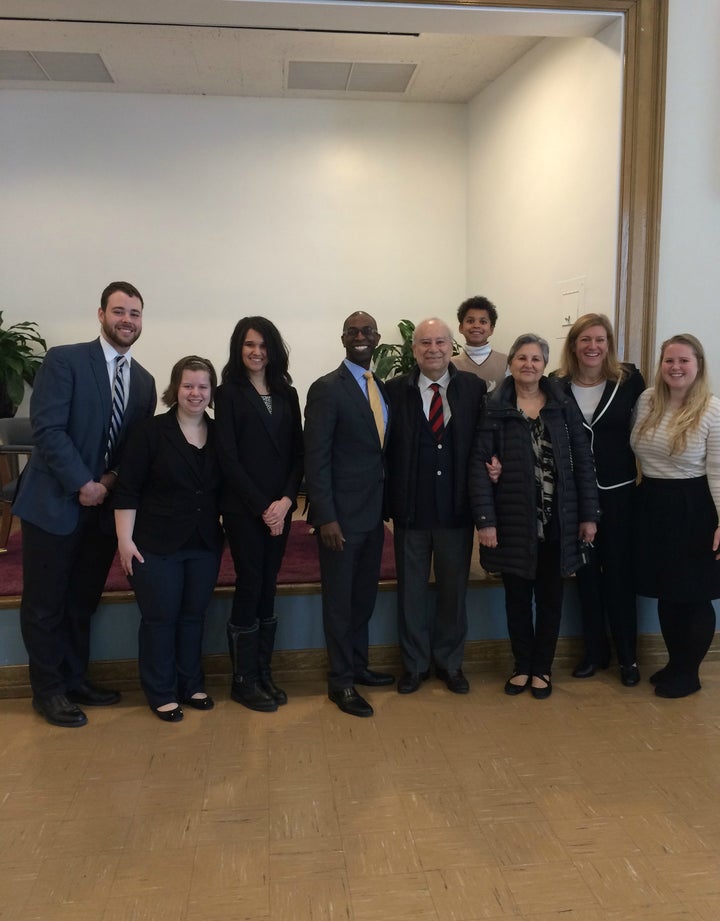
{"type": "Point", "coordinates": [70, 418]}
{"type": "Point", "coordinates": [344, 460]}
{"type": "Point", "coordinates": [174, 488]}
{"type": "Point", "coordinates": [261, 454]}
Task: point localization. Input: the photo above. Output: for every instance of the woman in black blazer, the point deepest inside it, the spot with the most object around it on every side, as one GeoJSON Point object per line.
{"type": "Point", "coordinates": [261, 453]}
{"type": "Point", "coordinates": [169, 537]}
{"type": "Point", "coordinates": [606, 392]}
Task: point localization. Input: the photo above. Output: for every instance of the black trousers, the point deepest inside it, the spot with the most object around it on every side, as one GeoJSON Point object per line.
{"type": "Point", "coordinates": [432, 625]}
{"type": "Point", "coordinates": [257, 556]}
{"type": "Point", "coordinates": [63, 580]}
{"type": "Point", "coordinates": [607, 584]}
{"type": "Point", "coordinates": [349, 589]}
{"type": "Point", "coordinates": [533, 646]}
{"type": "Point", "coordinates": [173, 591]}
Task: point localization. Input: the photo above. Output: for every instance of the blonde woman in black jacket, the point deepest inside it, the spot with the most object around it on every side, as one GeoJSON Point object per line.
{"type": "Point", "coordinates": [545, 503]}
{"type": "Point", "coordinates": [606, 392]}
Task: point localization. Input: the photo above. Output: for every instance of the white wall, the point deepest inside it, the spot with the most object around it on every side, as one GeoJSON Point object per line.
{"type": "Point", "coordinates": [689, 282]}
{"type": "Point", "coordinates": [544, 185]}
{"type": "Point", "coordinates": [217, 208]}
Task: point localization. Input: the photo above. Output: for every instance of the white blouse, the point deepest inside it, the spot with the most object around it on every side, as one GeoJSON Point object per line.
{"type": "Point", "coordinates": [701, 456]}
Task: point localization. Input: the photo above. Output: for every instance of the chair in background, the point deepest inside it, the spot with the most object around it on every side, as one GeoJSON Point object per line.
{"type": "Point", "coordinates": [16, 441]}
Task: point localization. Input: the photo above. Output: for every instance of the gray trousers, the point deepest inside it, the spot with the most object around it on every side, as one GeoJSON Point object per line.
{"type": "Point", "coordinates": [432, 626]}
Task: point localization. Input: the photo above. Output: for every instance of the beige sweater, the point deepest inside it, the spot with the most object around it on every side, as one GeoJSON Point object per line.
{"type": "Point", "coordinates": [492, 370]}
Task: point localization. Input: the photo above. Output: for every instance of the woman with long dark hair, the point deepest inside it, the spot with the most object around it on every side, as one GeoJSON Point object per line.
{"type": "Point", "coordinates": [676, 439]}
{"type": "Point", "coordinates": [257, 414]}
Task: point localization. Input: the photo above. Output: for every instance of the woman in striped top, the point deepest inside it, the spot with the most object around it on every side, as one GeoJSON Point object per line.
{"type": "Point", "coordinates": [676, 439]}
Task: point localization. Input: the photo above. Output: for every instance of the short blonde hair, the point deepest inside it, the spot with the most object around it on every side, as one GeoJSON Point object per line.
{"type": "Point", "coordinates": [612, 368]}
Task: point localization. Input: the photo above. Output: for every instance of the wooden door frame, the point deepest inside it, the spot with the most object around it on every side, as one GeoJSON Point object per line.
{"type": "Point", "coordinates": [642, 126]}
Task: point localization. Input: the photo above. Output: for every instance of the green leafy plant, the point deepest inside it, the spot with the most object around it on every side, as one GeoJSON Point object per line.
{"type": "Point", "coordinates": [20, 358]}
{"type": "Point", "coordinates": [391, 359]}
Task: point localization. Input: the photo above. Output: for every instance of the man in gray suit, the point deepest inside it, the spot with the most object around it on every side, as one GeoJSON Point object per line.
{"type": "Point", "coordinates": [346, 423]}
{"type": "Point", "coordinates": [67, 525]}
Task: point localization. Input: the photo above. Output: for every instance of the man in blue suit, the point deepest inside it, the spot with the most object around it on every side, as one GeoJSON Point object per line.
{"type": "Point", "coordinates": [67, 524]}
{"type": "Point", "coordinates": [345, 479]}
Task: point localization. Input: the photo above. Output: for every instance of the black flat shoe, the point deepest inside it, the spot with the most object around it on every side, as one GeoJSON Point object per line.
{"type": "Point", "coordinates": [588, 669]}
{"type": "Point", "coordinates": [514, 689]}
{"type": "Point", "coordinates": [541, 693]}
{"type": "Point", "coordinates": [199, 703]}
{"type": "Point", "coordinates": [349, 701]}
{"type": "Point", "coordinates": [411, 681]}
{"type": "Point", "coordinates": [659, 676]}
{"type": "Point", "coordinates": [169, 716]}
{"type": "Point", "coordinates": [674, 692]}
{"type": "Point", "coordinates": [629, 675]}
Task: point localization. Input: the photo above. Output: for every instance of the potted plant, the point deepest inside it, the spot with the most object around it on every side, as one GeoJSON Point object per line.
{"type": "Point", "coordinates": [391, 359]}
{"type": "Point", "coordinates": [22, 349]}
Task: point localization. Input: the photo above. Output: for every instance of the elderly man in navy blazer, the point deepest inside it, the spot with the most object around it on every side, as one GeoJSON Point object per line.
{"type": "Point", "coordinates": [67, 524]}
{"type": "Point", "coordinates": [346, 424]}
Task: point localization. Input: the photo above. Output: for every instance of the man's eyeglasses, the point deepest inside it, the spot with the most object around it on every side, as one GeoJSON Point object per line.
{"type": "Point", "coordinates": [352, 332]}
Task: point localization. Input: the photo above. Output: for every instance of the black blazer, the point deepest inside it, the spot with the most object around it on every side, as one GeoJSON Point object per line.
{"type": "Point", "coordinates": [609, 430]}
{"type": "Point", "coordinates": [465, 395]}
{"type": "Point", "coordinates": [344, 460]}
{"type": "Point", "coordinates": [176, 497]}
{"type": "Point", "coordinates": [261, 454]}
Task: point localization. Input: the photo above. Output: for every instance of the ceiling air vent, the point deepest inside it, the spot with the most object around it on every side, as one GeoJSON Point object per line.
{"type": "Point", "coordinates": [349, 76]}
{"type": "Point", "coordinates": [54, 66]}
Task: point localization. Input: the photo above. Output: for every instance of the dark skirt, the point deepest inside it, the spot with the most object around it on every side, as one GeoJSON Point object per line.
{"type": "Point", "coordinates": [676, 522]}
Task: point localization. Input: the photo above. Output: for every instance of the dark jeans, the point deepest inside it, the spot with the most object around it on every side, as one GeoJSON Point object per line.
{"type": "Point", "coordinates": [173, 592]}
{"type": "Point", "coordinates": [533, 647]}
{"type": "Point", "coordinates": [63, 579]}
{"type": "Point", "coordinates": [257, 556]}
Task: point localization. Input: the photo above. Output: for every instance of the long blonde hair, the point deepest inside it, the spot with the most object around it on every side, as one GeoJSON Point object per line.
{"type": "Point", "coordinates": [612, 368]}
{"type": "Point", "coordinates": [687, 418]}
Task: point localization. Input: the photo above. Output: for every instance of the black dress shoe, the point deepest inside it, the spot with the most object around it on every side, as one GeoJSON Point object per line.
{"type": "Point", "coordinates": [411, 681]}
{"type": "Point", "coordinates": [349, 701]}
{"type": "Point", "coordinates": [373, 679]}
{"type": "Point", "coordinates": [588, 669]}
{"type": "Point", "coordinates": [455, 680]}
{"type": "Point", "coordinates": [514, 689]}
{"type": "Point", "coordinates": [89, 695]}
{"type": "Point", "coordinates": [169, 716]}
{"type": "Point", "coordinates": [199, 703]}
{"type": "Point", "coordinates": [629, 675]}
{"type": "Point", "coordinates": [59, 711]}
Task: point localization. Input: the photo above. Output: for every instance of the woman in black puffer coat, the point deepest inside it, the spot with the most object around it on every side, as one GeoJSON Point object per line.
{"type": "Point", "coordinates": [532, 522]}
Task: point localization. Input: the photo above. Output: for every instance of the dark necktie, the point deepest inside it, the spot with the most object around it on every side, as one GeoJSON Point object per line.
{"type": "Point", "coordinates": [118, 408]}
{"type": "Point", "coordinates": [436, 419]}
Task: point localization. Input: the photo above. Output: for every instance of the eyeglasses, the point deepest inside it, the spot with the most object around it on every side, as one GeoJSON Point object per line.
{"type": "Point", "coordinates": [352, 332]}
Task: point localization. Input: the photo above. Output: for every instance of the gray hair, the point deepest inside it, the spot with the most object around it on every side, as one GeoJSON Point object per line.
{"type": "Point", "coordinates": [530, 339]}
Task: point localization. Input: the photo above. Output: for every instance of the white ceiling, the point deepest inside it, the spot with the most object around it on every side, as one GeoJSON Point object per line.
{"type": "Point", "coordinates": [245, 48]}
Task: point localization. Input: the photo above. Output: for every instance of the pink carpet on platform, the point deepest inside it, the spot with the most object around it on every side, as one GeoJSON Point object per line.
{"type": "Point", "coordinates": [300, 564]}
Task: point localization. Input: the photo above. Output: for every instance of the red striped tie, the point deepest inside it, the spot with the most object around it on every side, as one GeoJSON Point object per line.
{"type": "Point", "coordinates": [437, 422]}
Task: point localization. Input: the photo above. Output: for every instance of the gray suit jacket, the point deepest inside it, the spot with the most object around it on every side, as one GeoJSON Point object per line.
{"type": "Point", "coordinates": [70, 417]}
{"type": "Point", "coordinates": [344, 460]}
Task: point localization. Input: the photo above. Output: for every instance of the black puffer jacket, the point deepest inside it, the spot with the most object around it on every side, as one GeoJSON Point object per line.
{"type": "Point", "coordinates": [510, 506]}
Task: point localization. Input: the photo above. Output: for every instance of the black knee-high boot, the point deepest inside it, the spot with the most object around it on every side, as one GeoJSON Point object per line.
{"type": "Point", "coordinates": [266, 644]}
{"type": "Point", "coordinates": [246, 688]}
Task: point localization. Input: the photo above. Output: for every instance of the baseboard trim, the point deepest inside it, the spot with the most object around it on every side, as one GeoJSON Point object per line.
{"type": "Point", "coordinates": [311, 664]}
